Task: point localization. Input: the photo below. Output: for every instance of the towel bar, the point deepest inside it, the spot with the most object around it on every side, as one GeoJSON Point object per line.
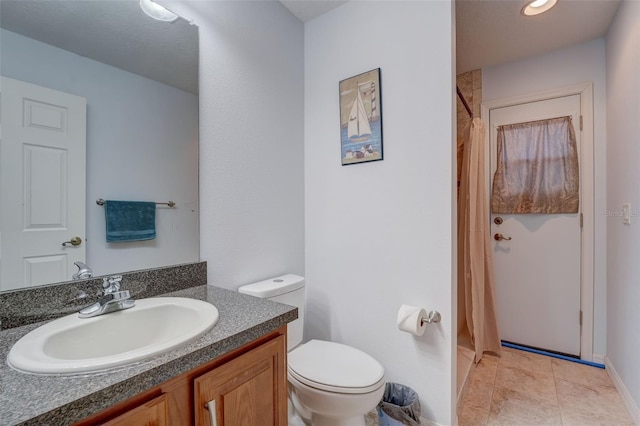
{"type": "Point", "coordinates": [101, 202]}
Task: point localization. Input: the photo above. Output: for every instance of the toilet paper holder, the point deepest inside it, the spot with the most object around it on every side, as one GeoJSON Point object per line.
{"type": "Point", "coordinates": [432, 316]}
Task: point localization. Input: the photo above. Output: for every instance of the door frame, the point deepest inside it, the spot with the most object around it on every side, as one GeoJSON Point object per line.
{"type": "Point", "coordinates": [587, 256]}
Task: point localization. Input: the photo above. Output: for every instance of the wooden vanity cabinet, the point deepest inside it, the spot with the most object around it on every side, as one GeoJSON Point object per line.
{"type": "Point", "coordinates": [247, 391]}
{"type": "Point", "coordinates": [247, 387]}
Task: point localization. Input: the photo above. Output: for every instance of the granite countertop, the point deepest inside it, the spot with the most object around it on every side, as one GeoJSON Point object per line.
{"type": "Point", "coordinates": [59, 400]}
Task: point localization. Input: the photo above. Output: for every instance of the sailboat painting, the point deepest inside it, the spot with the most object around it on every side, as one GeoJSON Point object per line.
{"type": "Point", "coordinates": [361, 118]}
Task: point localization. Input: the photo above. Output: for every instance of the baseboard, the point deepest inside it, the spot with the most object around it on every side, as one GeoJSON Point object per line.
{"type": "Point", "coordinates": [628, 401]}
{"type": "Point", "coordinates": [598, 358]}
{"type": "Point", "coordinates": [465, 385]}
{"type": "Point", "coordinates": [426, 422]}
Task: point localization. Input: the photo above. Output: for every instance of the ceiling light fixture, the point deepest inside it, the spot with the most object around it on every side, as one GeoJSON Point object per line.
{"type": "Point", "coordinates": [157, 12]}
{"type": "Point", "coordinates": [536, 7]}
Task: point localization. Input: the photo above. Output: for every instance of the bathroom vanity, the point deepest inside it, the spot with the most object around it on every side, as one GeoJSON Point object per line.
{"type": "Point", "coordinates": [247, 385]}
{"type": "Point", "coordinates": [238, 368]}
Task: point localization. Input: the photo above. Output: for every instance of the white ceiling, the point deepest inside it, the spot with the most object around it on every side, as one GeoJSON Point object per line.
{"type": "Point", "coordinates": [306, 10]}
{"type": "Point", "coordinates": [491, 32]}
{"type": "Point", "coordinates": [117, 33]}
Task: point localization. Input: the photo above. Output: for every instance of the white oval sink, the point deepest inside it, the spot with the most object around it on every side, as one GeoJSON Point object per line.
{"type": "Point", "coordinates": [71, 345]}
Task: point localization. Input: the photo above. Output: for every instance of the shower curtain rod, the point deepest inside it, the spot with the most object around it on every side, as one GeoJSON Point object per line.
{"type": "Point", "coordinates": [464, 102]}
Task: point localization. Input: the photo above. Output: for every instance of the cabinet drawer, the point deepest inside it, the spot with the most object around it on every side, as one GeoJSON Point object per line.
{"type": "Point", "coordinates": [152, 413]}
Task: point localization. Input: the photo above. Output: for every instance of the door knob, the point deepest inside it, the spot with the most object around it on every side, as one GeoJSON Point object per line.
{"type": "Point", "coordinates": [75, 241]}
{"type": "Point", "coordinates": [500, 237]}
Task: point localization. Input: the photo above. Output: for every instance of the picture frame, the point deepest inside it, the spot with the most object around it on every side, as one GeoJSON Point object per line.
{"type": "Point", "coordinates": [361, 118]}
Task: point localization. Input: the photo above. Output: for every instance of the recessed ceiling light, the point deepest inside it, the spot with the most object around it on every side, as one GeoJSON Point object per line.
{"type": "Point", "coordinates": [536, 7]}
{"type": "Point", "coordinates": [156, 11]}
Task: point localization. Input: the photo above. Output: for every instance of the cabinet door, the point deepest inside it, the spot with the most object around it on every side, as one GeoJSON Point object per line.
{"type": "Point", "coordinates": [153, 413]}
{"type": "Point", "coordinates": [250, 390]}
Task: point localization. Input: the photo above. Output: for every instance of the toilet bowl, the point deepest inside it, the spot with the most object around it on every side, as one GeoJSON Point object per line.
{"type": "Point", "coordinates": [337, 384]}
{"type": "Point", "coordinates": [330, 383]}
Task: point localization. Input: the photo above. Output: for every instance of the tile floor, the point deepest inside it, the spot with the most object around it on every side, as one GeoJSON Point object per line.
{"type": "Point", "coordinates": [521, 388]}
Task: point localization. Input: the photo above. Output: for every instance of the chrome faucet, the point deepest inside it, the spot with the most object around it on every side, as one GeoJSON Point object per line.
{"type": "Point", "coordinates": [84, 272]}
{"type": "Point", "coordinates": [112, 299]}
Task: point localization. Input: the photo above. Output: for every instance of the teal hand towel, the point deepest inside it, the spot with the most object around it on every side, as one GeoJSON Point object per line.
{"type": "Point", "coordinates": [130, 220]}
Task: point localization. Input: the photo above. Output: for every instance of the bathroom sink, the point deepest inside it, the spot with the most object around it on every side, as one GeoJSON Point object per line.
{"type": "Point", "coordinates": [71, 345]}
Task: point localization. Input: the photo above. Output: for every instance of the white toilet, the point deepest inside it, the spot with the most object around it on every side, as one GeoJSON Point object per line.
{"type": "Point", "coordinates": [331, 384]}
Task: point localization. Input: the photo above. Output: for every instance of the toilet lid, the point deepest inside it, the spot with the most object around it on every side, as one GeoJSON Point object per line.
{"type": "Point", "coordinates": [335, 367]}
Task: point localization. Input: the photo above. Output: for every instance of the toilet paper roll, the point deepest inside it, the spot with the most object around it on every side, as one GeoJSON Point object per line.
{"type": "Point", "coordinates": [410, 319]}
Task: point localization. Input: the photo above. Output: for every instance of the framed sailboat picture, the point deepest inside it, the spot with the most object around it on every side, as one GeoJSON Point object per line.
{"type": "Point", "coordinates": [361, 118]}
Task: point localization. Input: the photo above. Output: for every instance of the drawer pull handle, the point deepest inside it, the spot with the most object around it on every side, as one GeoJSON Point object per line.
{"type": "Point", "coordinates": [211, 406]}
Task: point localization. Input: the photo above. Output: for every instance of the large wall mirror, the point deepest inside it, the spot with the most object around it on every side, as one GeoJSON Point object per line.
{"type": "Point", "coordinates": [98, 101]}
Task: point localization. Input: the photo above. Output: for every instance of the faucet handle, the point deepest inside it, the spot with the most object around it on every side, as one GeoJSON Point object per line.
{"type": "Point", "coordinates": [111, 284]}
{"type": "Point", "coordinates": [106, 284]}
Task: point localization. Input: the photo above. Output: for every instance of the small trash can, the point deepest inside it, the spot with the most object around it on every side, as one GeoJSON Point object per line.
{"type": "Point", "coordinates": [399, 406]}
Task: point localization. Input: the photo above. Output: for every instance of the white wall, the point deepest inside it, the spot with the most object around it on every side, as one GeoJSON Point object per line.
{"type": "Point", "coordinates": [251, 139]}
{"type": "Point", "coordinates": [560, 68]}
{"type": "Point", "coordinates": [381, 234]}
{"type": "Point", "coordinates": [623, 175]}
{"type": "Point", "coordinates": [142, 144]}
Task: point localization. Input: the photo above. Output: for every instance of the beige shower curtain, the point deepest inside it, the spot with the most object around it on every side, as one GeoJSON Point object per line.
{"type": "Point", "coordinates": [475, 260]}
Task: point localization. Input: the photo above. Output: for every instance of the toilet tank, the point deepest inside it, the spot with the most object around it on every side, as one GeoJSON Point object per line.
{"type": "Point", "coordinates": [288, 289]}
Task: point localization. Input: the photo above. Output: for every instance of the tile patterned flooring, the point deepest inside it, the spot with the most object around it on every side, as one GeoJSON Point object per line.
{"type": "Point", "coordinates": [522, 388]}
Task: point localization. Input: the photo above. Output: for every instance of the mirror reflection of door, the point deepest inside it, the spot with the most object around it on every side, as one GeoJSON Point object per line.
{"type": "Point", "coordinates": [42, 192]}
{"type": "Point", "coordinates": [140, 81]}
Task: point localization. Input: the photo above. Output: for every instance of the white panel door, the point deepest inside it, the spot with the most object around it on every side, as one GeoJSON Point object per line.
{"type": "Point", "coordinates": [537, 272]}
{"type": "Point", "coordinates": [42, 184]}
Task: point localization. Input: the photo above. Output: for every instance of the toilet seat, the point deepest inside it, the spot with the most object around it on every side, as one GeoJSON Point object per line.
{"type": "Point", "coordinates": [334, 367]}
